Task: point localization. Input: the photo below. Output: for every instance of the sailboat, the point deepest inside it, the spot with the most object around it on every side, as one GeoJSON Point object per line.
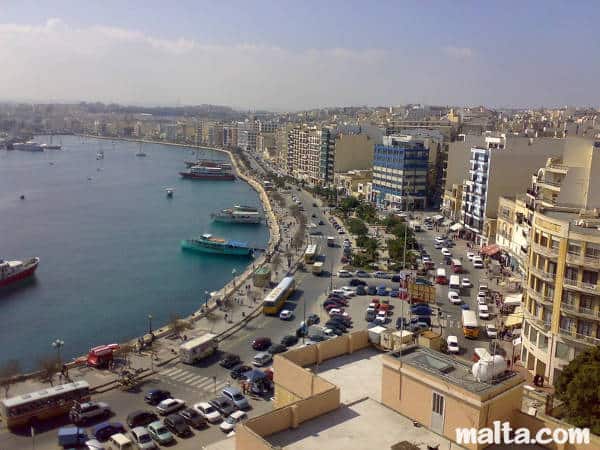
{"type": "Point", "coordinates": [140, 151]}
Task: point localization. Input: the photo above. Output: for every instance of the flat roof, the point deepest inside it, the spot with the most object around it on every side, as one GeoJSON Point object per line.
{"type": "Point", "coordinates": [448, 368]}
{"type": "Point", "coordinates": [571, 218]}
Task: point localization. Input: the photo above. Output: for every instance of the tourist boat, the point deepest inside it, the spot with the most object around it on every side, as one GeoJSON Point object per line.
{"type": "Point", "coordinates": [11, 271]}
{"type": "Point", "coordinates": [209, 163]}
{"type": "Point", "coordinates": [207, 243]}
{"type": "Point", "coordinates": [29, 146]}
{"type": "Point", "coordinates": [238, 214]}
{"type": "Point", "coordinates": [208, 173]}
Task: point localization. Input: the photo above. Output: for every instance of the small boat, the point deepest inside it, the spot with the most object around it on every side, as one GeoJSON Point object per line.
{"type": "Point", "coordinates": [207, 243]}
{"type": "Point", "coordinates": [11, 271]}
{"type": "Point", "coordinates": [100, 155]}
{"type": "Point", "coordinates": [140, 152]}
{"type": "Point", "coordinates": [169, 192]}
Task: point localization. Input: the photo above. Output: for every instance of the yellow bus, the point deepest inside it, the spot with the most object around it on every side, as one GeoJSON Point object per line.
{"type": "Point", "coordinates": [311, 254]}
{"type": "Point", "coordinates": [45, 404]}
{"type": "Point", "coordinates": [273, 302]}
{"type": "Point", "coordinates": [469, 324]}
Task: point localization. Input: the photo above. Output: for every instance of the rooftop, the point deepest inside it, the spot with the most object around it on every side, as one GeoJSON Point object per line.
{"type": "Point", "coordinates": [449, 369]}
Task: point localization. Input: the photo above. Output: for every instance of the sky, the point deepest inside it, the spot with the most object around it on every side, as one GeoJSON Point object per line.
{"type": "Point", "coordinates": [285, 55]}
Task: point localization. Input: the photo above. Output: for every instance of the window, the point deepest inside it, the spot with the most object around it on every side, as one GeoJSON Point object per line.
{"type": "Point", "coordinates": [562, 351]}
{"type": "Point", "coordinates": [438, 404]}
{"type": "Point", "coordinates": [555, 244]}
{"type": "Point", "coordinates": [574, 248]}
{"type": "Point", "coordinates": [567, 324]}
{"type": "Point", "coordinates": [592, 251]}
{"type": "Point", "coordinates": [571, 273]}
{"type": "Point", "coordinates": [585, 327]}
{"type": "Point", "coordinates": [590, 277]}
{"type": "Point", "coordinates": [547, 316]}
{"type": "Point", "coordinates": [586, 301]}
{"type": "Point", "coordinates": [552, 267]}
{"type": "Point", "coordinates": [568, 297]}
{"type": "Point", "coordinates": [543, 344]}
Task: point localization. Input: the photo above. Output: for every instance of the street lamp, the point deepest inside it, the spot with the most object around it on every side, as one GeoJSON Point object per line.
{"type": "Point", "coordinates": [149, 323]}
{"type": "Point", "coordinates": [206, 297]}
{"type": "Point", "coordinates": [57, 344]}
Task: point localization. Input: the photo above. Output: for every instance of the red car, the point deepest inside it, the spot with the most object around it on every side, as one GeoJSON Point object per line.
{"type": "Point", "coordinates": [261, 343]}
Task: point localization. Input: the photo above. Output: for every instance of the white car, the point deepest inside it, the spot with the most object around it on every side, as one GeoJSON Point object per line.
{"type": "Point", "coordinates": [426, 259]}
{"type": "Point", "coordinates": [229, 424]}
{"type": "Point", "coordinates": [286, 314]}
{"type": "Point", "coordinates": [481, 300]}
{"type": "Point", "coordinates": [349, 291]}
{"type": "Point", "coordinates": [470, 256]}
{"type": "Point", "coordinates": [477, 262]}
{"type": "Point", "coordinates": [484, 313]}
{"type": "Point", "coordinates": [262, 359]}
{"type": "Point", "coordinates": [337, 312]}
{"type": "Point", "coordinates": [344, 274]}
{"type": "Point", "coordinates": [452, 342]}
{"type": "Point", "coordinates": [440, 239]}
{"type": "Point", "coordinates": [169, 405]}
{"type": "Point", "coordinates": [208, 412]}
{"type": "Point", "coordinates": [446, 252]}
{"type": "Point", "coordinates": [454, 298]}
{"type": "Point", "coordinates": [341, 292]}
{"type": "Point", "coordinates": [491, 331]}
{"type": "Point", "coordinates": [466, 283]}
{"type": "Point", "coordinates": [380, 274]}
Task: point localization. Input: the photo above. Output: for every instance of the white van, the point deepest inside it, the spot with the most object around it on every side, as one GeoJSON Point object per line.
{"type": "Point", "coordinates": [119, 442]}
{"type": "Point", "coordinates": [484, 312]}
{"type": "Point", "coordinates": [454, 283]}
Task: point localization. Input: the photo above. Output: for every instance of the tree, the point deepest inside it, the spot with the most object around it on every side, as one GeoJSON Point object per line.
{"type": "Point", "coordinates": [577, 387]}
{"type": "Point", "coordinates": [367, 212]}
{"type": "Point", "coordinates": [47, 368]}
{"type": "Point", "coordinates": [357, 227]}
{"type": "Point", "coordinates": [178, 325]}
{"type": "Point", "coordinates": [8, 371]}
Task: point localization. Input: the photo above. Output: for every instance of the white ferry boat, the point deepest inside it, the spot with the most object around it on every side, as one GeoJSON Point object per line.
{"type": "Point", "coordinates": [238, 214]}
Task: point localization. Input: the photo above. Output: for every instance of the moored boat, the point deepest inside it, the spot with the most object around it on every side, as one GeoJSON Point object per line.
{"type": "Point", "coordinates": [208, 173]}
{"type": "Point", "coordinates": [209, 163]}
{"type": "Point", "coordinates": [11, 271]}
{"type": "Point", "coordinates": [238, 214]}
{"type": "Point", "coordinates": [29, 146]}
{"type": "Point", "coordinates": [207, 243]}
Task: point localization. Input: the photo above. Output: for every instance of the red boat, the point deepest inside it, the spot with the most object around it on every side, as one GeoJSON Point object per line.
{"type": "Point", "coordinates": [11, 271]}
{"type": "Point", "coordinates": [208, 173]}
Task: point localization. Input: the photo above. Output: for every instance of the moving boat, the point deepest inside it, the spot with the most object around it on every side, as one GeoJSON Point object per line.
{"type": "Point", "coordinates": [29, 146]}
{"type": "Point", "coordinates": [207, 243]}
{"type": "Point", "coordinates": [100, 155]}
{"type": "Point", "coordinates": [11, 271]}
{"type": "Point", "coordinates": [208, 173]}
{"type": "Point", "coordinates": [238, 214]}
{"type": "Point", "coordinates": [169, 191]}
{"type": "Point", "coordinates": [140, 151]}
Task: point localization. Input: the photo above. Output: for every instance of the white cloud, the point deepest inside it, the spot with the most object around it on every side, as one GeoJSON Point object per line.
{"type": "Point", "coordinates": [459, 52]}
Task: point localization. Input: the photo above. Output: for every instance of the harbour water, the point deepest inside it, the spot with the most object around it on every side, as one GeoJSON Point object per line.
{"type": "Point", "coordinates": [109, 242]}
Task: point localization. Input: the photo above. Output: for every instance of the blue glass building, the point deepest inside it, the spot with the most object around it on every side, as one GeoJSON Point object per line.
{"type": "Point", "coordinates": [400, 167]}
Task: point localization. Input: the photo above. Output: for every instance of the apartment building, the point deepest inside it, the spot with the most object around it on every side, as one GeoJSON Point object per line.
{"type": "Point", "coordinates": [353, 152]}
{"type": "Point", "coordinates": [513, 230]}
{"type": "Point", "coordinates": [562, 297]}
{"type": "Point", "coordinates": [499, 166]}
{"type": "Point", "coordinates": [354, 182]}
{"type": "Point", "coordinates": [400, 167]}
{"type": "Point", "coordinates": [311, 154]}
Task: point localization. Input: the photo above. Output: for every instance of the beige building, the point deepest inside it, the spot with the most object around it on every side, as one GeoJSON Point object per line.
{"type": "Point", "coordinates": [310, 154]}
{"type": "Point", "coordinates": [513, 229]}
{"type": "Point", "coordinates": [354, 182]}
{"type": "Point", "coordinates": [353, 152]}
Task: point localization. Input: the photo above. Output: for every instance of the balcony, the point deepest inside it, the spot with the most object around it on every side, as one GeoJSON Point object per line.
{"type": "Point", "coordinates": [587, 313]}
{"type": "Point", "coordinates": [545, 326]}
{"type": "Point", "coordinates": [539, 297]}
{"type": "Point", "coordinates": [581, 286]}
{"type": "Point", "coordinates": [549, 185]}
{"type": "Point", "coordinates": [578, 337]}
{"type": "Point", "coordinates": [558, 168]}
{"type": "Point", "coordinates": [547, 276]}
{"type": "Point", "coordinates": [575, 258]}
{"type": "Point", "coordinates": [548, 252]}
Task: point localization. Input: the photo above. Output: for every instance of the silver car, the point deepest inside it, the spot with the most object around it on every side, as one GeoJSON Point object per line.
{"type": "Point", "coordinates": [142, 439]}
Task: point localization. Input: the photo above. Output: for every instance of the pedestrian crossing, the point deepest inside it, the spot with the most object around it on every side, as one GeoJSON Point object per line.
{"type": "Point", "coordinates": [194, 380]}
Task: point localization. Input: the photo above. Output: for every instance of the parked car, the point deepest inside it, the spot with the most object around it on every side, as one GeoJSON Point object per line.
{"type": "Point", "coordinates": [452, 344]}
{"type": "Point", "coordinates": [454, 298]}
{"type": "Point", "coordinates": [155, 396]}
{"type": "Point", "coordinates": [354, 282]}
{"type": "Point", "coordinates": [193, 418]}
{"type": "Point", "coordinates": [313, 319]}
{"type": "Point", "coordinates": [239, 371]}
{"type": "Point", "coordinates": [236, 397]}
{"type": "Point", "coordinates": [395, 293]}
{"type": "Point", "coordinates": [169, 405]}
{"type": "Point", "coordinates": [229, 424]}
{"type": "Point", "coordinates": [105, 430]}
{"type": "Point", "coordinates": [84, 412]}
{"type": "Point", "coordinates": [208, 412]}
{"type": "Point", "coordinates": [396, 278]}
{"type": "Point", "coordinates": [362, 274]}
{"type": "Point", "coordinates": [344, 274]}
{"type": "Point", "coordinates": [276, 348]}
{"type": "Point", "coordinates": [491, 331]}
{"type": "Point", "coordinates": [420, 310]}
{"type": "Point", "coordinates": [262, 359]}
{"type": "Point", "coordinates": [286, 314]}
{"type": "Point", "coordinates": [477, 262]}
{"type": "Point", "coordinates": [230, 360]}
{"type": "Point", "coordinates": [261, 343]}
{"type": "Point", "coordinates": [140, 418]}
{"type": "Point", "coordinates": [446, 252]}
{"type": "Point", "coordinates": [289, 340]}
{"type": "Point", "coordinates": [370, 314]}
{"type": "Point", "coordinates": [371, 290]}
{"type": "Point", "coordinates": [142, 438]}
{"type": "Point", "coordinates": [159, 433]}
{"type": "Point", "coordinates": [470, 256]}
{"type": "Point", "coordinates": [466, 283]}
{"type": "Point", "coordinates": [223, 405]}
{"type": "Point", "coordinates": [361, 290]}
{"type": "Point", "coordinates": [382, 291]}
{"type": "Point", "coordinates": [177, 425]}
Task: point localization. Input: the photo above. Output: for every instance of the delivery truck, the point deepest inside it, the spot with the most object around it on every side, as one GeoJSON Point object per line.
{"type": "Point", "coordinates": [198, 348]}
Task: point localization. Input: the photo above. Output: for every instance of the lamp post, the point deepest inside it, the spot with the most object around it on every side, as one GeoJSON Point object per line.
{"type": "Point", "coordinates": [206, 298]}
{"type": "Point", "coordinates": [149, 323]}
{"type": "Point", "coordinates": [57, 344]}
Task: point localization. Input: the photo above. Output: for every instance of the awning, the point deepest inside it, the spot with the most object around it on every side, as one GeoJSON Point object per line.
{"type": "Point", "coordinates": [438, 218]}
{"type": "Point", "coordinates": [515, 319]}
{"type": "Point", "coordinates": [513, 300]}
{"type": "Point", "coordinates": [456, 227]}
{"type": "Point", "coordinates": [490, 250]}
{"type": "Point", "coordinates": [447, 222]}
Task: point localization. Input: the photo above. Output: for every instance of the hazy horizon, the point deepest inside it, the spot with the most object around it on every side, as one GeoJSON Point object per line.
{"type": "Point", "coordinates": [269, 56]}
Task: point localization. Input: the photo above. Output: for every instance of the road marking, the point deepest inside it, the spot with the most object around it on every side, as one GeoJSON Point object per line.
{"type": "Point", "coordinates": [187, 377]}
{"type": "Point", "coordinates": [180, 376]}
{"type": "Point", "coordinates": [205, 383]}
{"type": "Point", "coordinates": [195, 379]}
{"type": "Point", "coordinates": [222, 384]}
{"type": "Point", "coordinates": [171, 371]}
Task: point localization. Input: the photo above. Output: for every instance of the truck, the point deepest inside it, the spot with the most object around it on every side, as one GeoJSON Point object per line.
{"type": "Point", "coordinates": [198, 348]}
{"type": "Point", "coordinates": [390, 340]}
{"type": "Point", "coordinates": [69, 437]}
{"type": "Point", "coordinates": [317, 268]}
{"type": "Point", "coordinates": [415, 225]}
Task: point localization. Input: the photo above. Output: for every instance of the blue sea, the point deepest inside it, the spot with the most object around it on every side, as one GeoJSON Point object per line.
{"type": "Point", "coordinates": [109, 243]}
